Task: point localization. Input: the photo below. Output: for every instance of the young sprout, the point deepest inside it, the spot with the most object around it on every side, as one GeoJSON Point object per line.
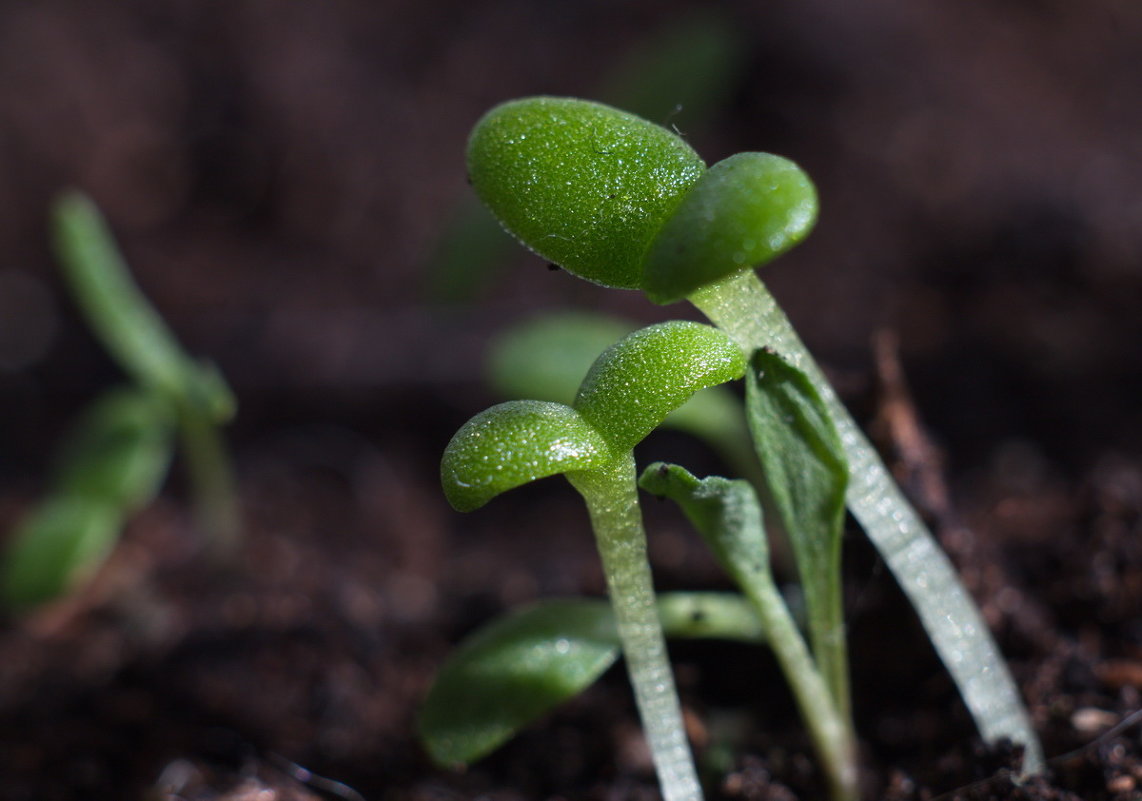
{"type": "Point", "coordinates": [138, 339]}
{"type": "Point", "coordinates": [728, 516]}
{"type": "Point", "coordinates": [628, 391]}
{"type": "Point", "coordinates": [625, 203]}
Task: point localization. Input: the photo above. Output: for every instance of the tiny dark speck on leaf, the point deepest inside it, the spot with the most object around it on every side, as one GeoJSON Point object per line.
{"type": "Point", "coordinates": [553, 266]}
{"type": "Point", "coordinates": [697, 616]}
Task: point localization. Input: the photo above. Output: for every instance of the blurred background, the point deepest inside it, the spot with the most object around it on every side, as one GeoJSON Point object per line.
{"type": "Point", "coordinates": [287, 181]}
{"type": "Point", "coordinates": [288, 184]}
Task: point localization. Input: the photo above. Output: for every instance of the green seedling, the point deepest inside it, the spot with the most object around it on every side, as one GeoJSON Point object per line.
{"type": "Point", "coordinates": [111, 466]}
{"type": "Point", "coordinates": [728, 516]}
{"type": "Point", "coordinates": [118, 454]}
{"type": "Point", "coordinates": [545, 358]}
{"type": "Point", "coordinates": [629, 390]}
{"type": "Point", "coordinates": [521, 666]}
{"type": "Point", "coordinates": [680, 75]}
{"type": "Point", "coordinates": [626, 203]}
{"type": "Point", "coordinates": [138, 339]}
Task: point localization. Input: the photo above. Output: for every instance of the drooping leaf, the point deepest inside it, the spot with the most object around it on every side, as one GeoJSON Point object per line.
{"type": "Point", "coordinates": [514, 443]}
{"type": "Point", "coordinates": [584, 185]}
{"type": "Point", "coordinates": [639, 380]}
{"type": "Point", "coordinates": [516, 669]}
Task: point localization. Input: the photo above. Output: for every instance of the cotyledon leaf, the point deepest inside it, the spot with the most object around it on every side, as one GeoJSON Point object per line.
{"type": "Point", "coordinates": [584, 185]}
{"type": "Point", "coordinates": [519, 667]}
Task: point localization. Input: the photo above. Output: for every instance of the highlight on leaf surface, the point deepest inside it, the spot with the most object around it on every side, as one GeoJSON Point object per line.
{"type": "Point", "coordinates": [584, 185]}
{"type": "Point", "coordinates": [639, 380]}
{"type": "Point", "coordinates": [514, 443]}
{"type": "Point", "coordinates": [743, 212]}
{"type": "Point", "coordinates": [519, 667]}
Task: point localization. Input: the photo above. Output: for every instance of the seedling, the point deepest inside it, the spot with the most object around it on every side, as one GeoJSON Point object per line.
{"type": "Point", "coordinates": [625, 203]}
{"type": "Point", "coordinates": [627, 393]}
{"type": "Point", "coordinates": [138, 339]}
{"type": "Point", "coordinates": [117, 456]}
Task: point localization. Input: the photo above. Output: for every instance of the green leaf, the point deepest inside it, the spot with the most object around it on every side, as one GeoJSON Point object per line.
{"type": "Point", "coordinates": [516, 669]}
{"type": "Point", "coordinates": [725, 512]}
{"type": "Point", "coordinates": [57, 545]}
{"type": "Point", "coordinates": [806, 478]}
{"type": "Point", "coordinates": [743, 212]}
{"type": "Point", "coordinates": [512, 672]}
{"type": "Point", "coordinates": [582, 184]}
{"type": "Point", "coordinates": [119, 451]}
{"type": "Point", "coordinates": [129, 327]}
{"type": "Point", "coordinates": [639, 380]}
{"type": "Point", "coordinates": [515, 443]}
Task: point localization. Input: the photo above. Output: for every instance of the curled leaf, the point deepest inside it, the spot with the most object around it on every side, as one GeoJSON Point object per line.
{"type": "Point", "coordinates": [639, 380]}
{"type": "Point", "coordinates": [514, 443]}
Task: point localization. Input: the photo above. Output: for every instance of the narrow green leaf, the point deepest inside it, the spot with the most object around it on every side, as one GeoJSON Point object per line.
{"type": "Point", "coordinates": [729, 518]}
{"type": "Point", "coordinates": [514, 443]}
{"type": "Point", "coordinates": [119, 451]}
{"type": "Point", "coordinates": [638, 381]}
{"type": "Point", "coordinates": [57, 545]}
{"type": "Point", "coordinates": [516, 669]}
{"type": "Point", "coordinates": [128, 325]}
{"type": "Point", "coordinates": [806, 476]}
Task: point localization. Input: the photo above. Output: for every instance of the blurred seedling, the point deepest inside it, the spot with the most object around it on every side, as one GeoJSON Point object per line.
{"type": "Point", "coordinates": [625, 203]}
{"type": "Point", "coordinates": [117, 456]}
{"type": "Point", "coordinates": [628, 391]}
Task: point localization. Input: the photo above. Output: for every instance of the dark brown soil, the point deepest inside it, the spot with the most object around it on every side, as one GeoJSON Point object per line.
{"type": "Point", "coordinates": [278, 174]}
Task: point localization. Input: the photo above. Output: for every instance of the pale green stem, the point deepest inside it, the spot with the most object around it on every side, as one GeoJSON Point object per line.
{"type": "Point", "coordinates": [744, 308]}
{"type": "Point", "coordinates": [827, 633]}
{"type": "Point", "coordinates": [828, 728]}
{"type": "Point", "coordinates": [212, 483]}
{"type": "Point", "coordinates": [611, 494]}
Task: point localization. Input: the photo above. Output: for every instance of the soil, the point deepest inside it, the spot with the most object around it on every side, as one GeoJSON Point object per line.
{"type": "Point", "coordinates": [279, 174]}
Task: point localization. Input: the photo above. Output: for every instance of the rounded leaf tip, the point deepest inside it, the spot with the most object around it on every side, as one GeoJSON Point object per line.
{"type": "Point", "coordinates": [639, 380]}
{"type": "Point", "coordinates": [584, 185]}
{"type": "Point", "coordinates": [743, 212]}
{"type": "Point", "coordinates": [514, 443]}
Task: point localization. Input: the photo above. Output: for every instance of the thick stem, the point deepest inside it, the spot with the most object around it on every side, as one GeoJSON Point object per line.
{"type": "Point", "coordinates": [611, 494]}
{"type": "Point", "coordinates": [744, 308]}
